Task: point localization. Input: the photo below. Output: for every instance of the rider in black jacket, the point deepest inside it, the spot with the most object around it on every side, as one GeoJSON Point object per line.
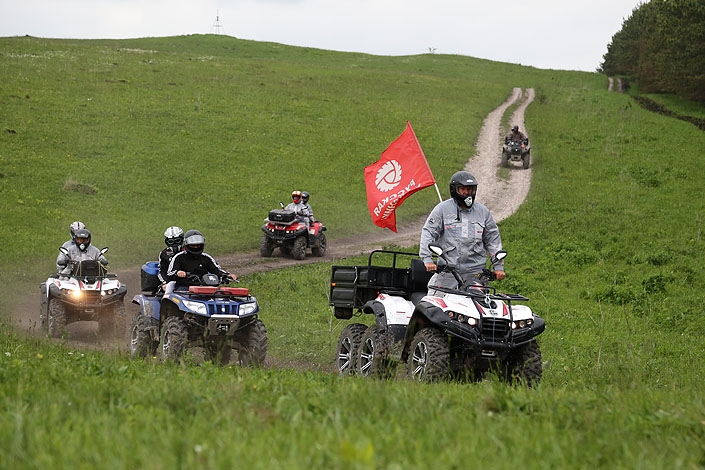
{"type": "Point", "coordinates": [194, 261]}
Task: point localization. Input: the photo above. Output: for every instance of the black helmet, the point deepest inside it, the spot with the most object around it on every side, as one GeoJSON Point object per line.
{"type": "Point", "coordinates": [515, 129]}
{"type": "Point", "coordinates": [82, 239]}
{"type": "Point", "coordinates": [304, 196]}
{"type": "Point", "coordinates": [174, 237]}
{"type": "Point", "coordinates": [74, 227]}
{"type": "Point", "coordinates": [194, 242]}
{"type": "Point", "coordinates": [463, 178]}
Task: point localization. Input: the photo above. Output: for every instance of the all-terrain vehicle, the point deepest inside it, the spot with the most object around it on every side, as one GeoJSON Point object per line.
{"type": "Point", "coordinates": [461, 333]}
{"type": "Point", "coordinates": [283, 230]}
{"type": "Point", "coordinates": [516, 152]}
{"type": "Point", "coordinates": [83, 292]}
{"type": "Point", "coordinates": [209, 315]}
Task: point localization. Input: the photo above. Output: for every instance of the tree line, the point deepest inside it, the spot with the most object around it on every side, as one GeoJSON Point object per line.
{"type": "Point", "coordinates": [661, 48]}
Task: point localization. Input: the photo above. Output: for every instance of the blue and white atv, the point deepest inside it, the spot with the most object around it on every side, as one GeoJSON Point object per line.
{"type": "Point", "coordinates": [211, 316]}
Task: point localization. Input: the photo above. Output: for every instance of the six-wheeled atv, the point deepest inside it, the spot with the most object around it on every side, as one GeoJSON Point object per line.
{"type": "Point", "coordinates": [85, 292]}
{"type": "Point", "coordinates": [463, 332]}
{"type": "Point", "coordinates": [285, 230]}
{"type": "Point", "coordinates": [210, 315]}
{"type": "Point", "coordinates": [516, 152]}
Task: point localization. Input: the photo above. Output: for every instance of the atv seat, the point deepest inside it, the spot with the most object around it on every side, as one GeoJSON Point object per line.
{"type": "Point", "coordinates": [419, 276]}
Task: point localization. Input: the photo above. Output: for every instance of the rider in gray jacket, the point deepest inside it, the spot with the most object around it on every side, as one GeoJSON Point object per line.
{"type": "Point", "coordinates": [466, 231]}
{"type": "Point", "coordinates": [80, 250]}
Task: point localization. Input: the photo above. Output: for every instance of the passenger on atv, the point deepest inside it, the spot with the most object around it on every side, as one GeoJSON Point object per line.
{"type": "Point", "coordinates": [193, 262]}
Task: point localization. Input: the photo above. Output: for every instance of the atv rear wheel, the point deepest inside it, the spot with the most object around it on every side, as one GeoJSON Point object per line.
{"type": "Point", "coordinates": [266, 246]}
{"type": "Point", "coordinates": [252, 344]}
{"type": "Point", "coordinates": [372, 357]}
{"type": "Point", "coordinates": [348, 345]}
{"type": "Point", "coordinates": [173, 338]}
{"type": "Point", "coordinates": [298, 251]}
{"type": "Point", "coordinates": [56, 318]}
{"type": "Point", "coordinates": [141, 344]}
{"type": "Point", "coordinates": [429, 357]}
{"type": "Point", "coordinates": [524, 365]}
{"type": "Point", "coordinates": [320, 250]}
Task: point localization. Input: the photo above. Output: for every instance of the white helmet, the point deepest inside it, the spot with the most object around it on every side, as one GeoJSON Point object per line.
{"type": "Point", "coordinates": [74, 227]}
{"type": "Point", "coordinates": [174, 237]}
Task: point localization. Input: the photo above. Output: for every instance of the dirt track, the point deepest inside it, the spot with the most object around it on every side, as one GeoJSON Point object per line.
{"type": "Point", "coordinates": [502, 197]}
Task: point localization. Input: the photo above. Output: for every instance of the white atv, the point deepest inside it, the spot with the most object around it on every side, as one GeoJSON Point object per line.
{"type": "Point", "coordinates": [461, 332]}
{"type": "Point", "coordinates": [86, 293]}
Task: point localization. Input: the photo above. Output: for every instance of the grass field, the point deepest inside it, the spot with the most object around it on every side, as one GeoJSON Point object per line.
{"type": "Point", "coordinates": [132, 136]}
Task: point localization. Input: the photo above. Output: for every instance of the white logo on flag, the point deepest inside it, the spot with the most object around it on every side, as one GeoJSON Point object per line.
{"type": "Point", "coordinates": [389, 176]}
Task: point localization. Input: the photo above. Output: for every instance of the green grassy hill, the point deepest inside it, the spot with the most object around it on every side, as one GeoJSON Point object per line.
{"type": "Point", "coordinates": [132, 136]}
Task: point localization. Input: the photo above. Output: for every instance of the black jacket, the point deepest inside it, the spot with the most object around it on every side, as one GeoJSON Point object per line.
{"type": "Point", "coordinates": [192, 264]}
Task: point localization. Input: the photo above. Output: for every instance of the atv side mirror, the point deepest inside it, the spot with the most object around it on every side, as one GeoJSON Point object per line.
{"type": "Point", "coordinates": [104, 250]}
{"type": "Point", "coordinates": [499, 256]}
{"type": "Point", "coordinates": [436, 250]}
{"type": "Point", "coordinates": [281, 204]}
{"type": "Point", "coordinates": [63, 250]}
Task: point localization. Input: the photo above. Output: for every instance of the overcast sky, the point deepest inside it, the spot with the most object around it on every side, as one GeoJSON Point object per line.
{"type": "Point", "coordinates": [548, 34]}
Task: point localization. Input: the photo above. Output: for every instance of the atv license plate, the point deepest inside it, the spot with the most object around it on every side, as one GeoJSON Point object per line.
{"type": "Point", "coordinates": [220, 325]}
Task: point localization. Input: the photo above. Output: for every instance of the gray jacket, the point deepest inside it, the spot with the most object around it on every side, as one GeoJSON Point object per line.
{"type": "Point", "coordinates": [62, 261]}
{"type": "Point", "coordinates": [473, 232]}
{"type": "Point", "coordinates": [302, 212]}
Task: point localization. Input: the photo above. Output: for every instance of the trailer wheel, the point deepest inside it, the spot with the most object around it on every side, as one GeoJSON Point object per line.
{"type": "Point", "coordinates": [348, 346]}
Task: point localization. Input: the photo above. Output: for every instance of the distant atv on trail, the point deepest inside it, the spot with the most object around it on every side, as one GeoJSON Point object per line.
{"type": "Point", "coordinates": [455, 333]}
{"type": "Point", "coordinates": [283, 229]}
{"type": "Point", "coordinates": [516, 152]}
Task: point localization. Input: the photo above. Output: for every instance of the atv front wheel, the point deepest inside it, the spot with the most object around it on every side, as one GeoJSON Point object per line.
{"type": "Point", "coordinates": [372, 357]}
{"type": "Point", "coordinates": [173, 338]}
{"type": "Point", "coordinates": [141, 343]}
{"type": "Point", "coordinates": [524, 365]}
{"type": "Point", "coordinates": [252, 344]}
{"type": "Point", "coordinates": [298, 251]}
{"type": "Point", "coordinates": [320, 250]}
{"type": "Point", "coordinates": [56, 318]}
{"type": "Point", "coordinates": [218, 352]}
{"type": "Point", "coordinates": [266, 246]}
{"type": "Point", "coordinates": [348, 347]}
{"type": "Point", "coordinates": [527, 160]}
{"type": "Point", "coordinates": [429, 357]}
{"type": "Point", "coordinates": [505, 159]}
{"type": "Point", "coordinates": [113, 321]}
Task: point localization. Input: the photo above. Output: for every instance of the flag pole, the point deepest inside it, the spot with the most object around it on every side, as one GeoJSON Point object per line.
{"type": "Point", "coordinates": [435, 185]}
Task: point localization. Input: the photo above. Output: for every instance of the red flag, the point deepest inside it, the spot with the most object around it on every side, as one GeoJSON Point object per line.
{"type": "Point", "coordinates": [400, 172]}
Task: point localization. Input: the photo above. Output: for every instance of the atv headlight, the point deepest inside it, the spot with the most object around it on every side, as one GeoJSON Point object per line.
{"type": "Point", "coordinates": [522, 323]}
{"type": "Point", "coordinates": [247, 309]}
{"type": "Point", "coordinates": [197, 307]}
{"type": "Point", "coordinates": [75, 293]}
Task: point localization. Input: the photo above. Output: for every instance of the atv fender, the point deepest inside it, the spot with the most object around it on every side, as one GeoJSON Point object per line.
{"type": "Point", "coordinates": [149, 305]}
{"type": "Point", "coordinates": [425, 314]}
